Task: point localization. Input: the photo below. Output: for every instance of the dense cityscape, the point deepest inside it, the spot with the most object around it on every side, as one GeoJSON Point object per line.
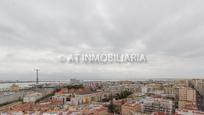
{"type": "Point", "coordinates": [78, 97]}
{"type": "Point", "coordinates": [101, 57]}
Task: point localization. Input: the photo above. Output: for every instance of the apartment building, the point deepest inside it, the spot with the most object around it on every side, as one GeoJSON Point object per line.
{"type": "Point", "coordinates": [187, 98]}
{"type": "Point", "coordinates": [158, 105]}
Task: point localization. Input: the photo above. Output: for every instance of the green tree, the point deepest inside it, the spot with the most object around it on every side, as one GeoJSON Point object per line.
{"type": "Point", "coordinates": [112, 108]}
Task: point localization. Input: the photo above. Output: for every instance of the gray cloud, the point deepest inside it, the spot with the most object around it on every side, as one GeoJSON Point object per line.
{"type": "Point", "coordinates": [35, 34]}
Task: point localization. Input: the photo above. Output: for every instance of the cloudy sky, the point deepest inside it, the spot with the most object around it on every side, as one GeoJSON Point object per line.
{"type": "Point", "coordinates": [35, 34]}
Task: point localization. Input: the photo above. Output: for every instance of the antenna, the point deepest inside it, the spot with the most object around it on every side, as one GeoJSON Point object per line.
{"type": "Point", "coordinates": [37, 80]}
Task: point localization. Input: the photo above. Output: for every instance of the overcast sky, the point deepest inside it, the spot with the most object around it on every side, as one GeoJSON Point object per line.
{"type": "Point", "coordinates": [35, 34]}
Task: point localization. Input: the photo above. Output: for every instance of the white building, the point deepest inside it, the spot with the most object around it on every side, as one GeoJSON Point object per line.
{"type": "Point", "coordinates": [32, 97]}
{"type": "Point", "coordinates": [157, 105]}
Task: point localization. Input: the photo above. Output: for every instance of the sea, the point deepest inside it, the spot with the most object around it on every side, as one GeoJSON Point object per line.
{"type": "Point", "coordinates": [23, 85]}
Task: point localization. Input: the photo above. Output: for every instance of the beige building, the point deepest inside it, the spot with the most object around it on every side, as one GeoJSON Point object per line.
{"type": "Point", "coordinates": [14, 87]}
{"type": "Point", "coordinates": [187, 98]}
{"type": "Point", "coordinates": [130, 108]}
{"type": "Point", "coordinates": [188, 112]}
{"type": "Point", "coordinates": [183, 82]}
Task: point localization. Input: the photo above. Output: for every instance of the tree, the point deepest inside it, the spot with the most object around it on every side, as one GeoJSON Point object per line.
{"type": "Point", "coordinates": [112, 108]}
{"type": "Point", "coordinates": [123, 94]}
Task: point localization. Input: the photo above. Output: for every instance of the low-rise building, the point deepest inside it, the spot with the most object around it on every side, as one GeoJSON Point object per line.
{"type": "Point", "coordinates": [131, 107]}
{"type": "Point", "coordinates": [188, 112]}
{"type": "Point", "coordinates": [14, 87]}
{"type": "Point", "coordinates": [32, 97]}
{"type": "Point", "coordinates": [95, 110]}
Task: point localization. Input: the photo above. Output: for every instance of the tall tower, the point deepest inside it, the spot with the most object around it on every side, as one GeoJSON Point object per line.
{"type": "Point", "coordinates": [37, 79]}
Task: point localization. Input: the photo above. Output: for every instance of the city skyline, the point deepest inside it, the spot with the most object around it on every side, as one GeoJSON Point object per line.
{"type": "Point", "coordinates": [36, 34]}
